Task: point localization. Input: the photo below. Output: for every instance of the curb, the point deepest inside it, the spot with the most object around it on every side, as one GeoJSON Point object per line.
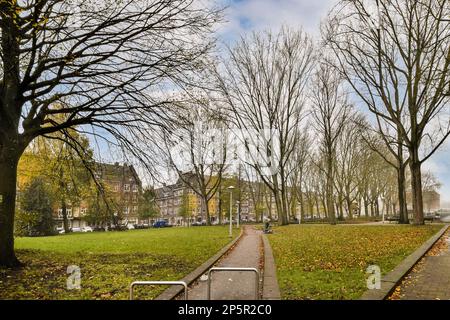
{"type": "Point", "coordinates": [271, 290]}
{"type": "Point", "coordinates": [174, 291]}
{"type": "Point", "coordinates": [393, 278]}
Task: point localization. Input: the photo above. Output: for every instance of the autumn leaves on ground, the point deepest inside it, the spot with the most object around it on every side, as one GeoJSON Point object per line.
{"type": "Point", "coordinates": [313, 261]}
{"type": "Point", "coordinates": [109, 262]}
{"type": "Point", "coordinates": [330, 262]}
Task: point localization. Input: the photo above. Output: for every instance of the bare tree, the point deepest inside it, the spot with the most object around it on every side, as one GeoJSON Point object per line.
{"type": "Point", "coordinates": [398, 63]}
{"type": "Point", "coordinates": [330, 108]}
{"type": "Point", "coordinates": [197, 150]}
{"type": "Point", "coordinates": [430, 181]}
{"type": "Point", "coordinates": [298, 164]}
{"type": "Point", "coordinates": [348, 152]}
{"type": "Point", "coordinates": [391, 149]}
{"type": "Point", "coordinates": [104, 62]}
{"type": "Point", "coordinates": [263, 84]}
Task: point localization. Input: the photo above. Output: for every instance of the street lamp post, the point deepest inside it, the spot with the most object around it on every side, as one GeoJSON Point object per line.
{"type": "Point", "coordinates": [231, 210]}
{"type": "Point", "coordinates": [238, 214]}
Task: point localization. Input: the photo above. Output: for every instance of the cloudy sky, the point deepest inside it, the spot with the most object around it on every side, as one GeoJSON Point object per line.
{"type": "Point", "coordinates": [243, 16]}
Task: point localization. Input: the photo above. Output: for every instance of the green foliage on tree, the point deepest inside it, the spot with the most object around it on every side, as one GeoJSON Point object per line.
{"type": "Point", "coordinates": [34, 217]}
{"type": "Point", "coordinates": [147, 204]}
{"type": "Point", "coordinates": [103, 209]}
{"type": "Point", "coordinates": [184, 210]}
{"type": "Point", "coordinates": [63, 167]}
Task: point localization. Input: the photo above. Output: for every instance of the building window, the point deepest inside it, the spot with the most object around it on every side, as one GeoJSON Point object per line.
{"type": "Point", "coordinates": [126, 211]}
{"type": "Point", "coordinates": [68, 212]}
{"type": "Point", "coordinates": [116, 188]}
{"type": "Point", "coordinates": [83, 210]}
{"type": "Point", "coordinates": [135, 208]}
{"type": "Point", "coordinates": [127, 187]}
{"type": "Point", "coordinates": [135, 188]}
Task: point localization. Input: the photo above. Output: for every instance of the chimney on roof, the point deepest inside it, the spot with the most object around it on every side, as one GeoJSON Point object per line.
{"type": "Point", "coordinates": [116, 164]}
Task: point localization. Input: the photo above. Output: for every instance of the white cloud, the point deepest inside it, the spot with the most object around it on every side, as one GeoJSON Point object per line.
{"type": "Point", "coordinates": [244, 16]}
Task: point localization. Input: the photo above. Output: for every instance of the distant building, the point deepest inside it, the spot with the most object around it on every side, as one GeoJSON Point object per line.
{"type": "Point", "coordinates": [124, 184]}
{"type": "Point", "coordinates": [431, 201]}
{"type": "Point", "coordinates": [172, 198]}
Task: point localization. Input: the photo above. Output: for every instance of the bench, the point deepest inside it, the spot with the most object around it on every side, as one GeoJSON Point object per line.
{"type": "Point", "coordinates": [393, 219]}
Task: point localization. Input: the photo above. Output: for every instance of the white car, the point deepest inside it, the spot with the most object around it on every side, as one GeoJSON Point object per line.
{"type": "Point", "coordinates": [87, 229]}
{"type": "Point", "coordinates": [445, 219]}
{"type": "Point", "coordinates": [76, 229]}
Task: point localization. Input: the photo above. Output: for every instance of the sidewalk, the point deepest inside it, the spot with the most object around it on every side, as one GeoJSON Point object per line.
{"type": "Point", "coordinates": [430, 278]}
{"type": "Point", "coordinates": [234, 285]}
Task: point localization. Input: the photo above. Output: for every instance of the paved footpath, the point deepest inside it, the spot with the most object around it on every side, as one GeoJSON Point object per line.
{"type": "Point", "coordinates": [234, 285]}
{"type": "Point", "coordinates": [430, 278]}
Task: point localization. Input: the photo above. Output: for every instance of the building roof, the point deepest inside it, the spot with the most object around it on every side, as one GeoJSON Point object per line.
{"type": "Point", "coordinates": [117, 170]}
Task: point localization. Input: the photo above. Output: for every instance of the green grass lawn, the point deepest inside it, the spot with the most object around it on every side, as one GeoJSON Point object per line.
{"type": "Point", "coordinates": [329, 262]}
{"type": "Point", "coordinates": [109, 261]}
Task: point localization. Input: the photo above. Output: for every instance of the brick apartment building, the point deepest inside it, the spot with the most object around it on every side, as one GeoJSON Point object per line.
{"type": "Point", "coordinates": [170, 198]}
{"type": "Point", "coordinates": [125, 186]}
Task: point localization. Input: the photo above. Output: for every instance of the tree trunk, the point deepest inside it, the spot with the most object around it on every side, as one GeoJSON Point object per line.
{"type": "Point", "coordinates": [206, 207]}
{"type": "Point", "coordinates": [401, 181]}
{"type": "Point", "coordinates": [220, 204]}
{"type": "Point", "coordinates": [416, 187]}
{"type": "Point", "coordinates": [11, 146]}
{"type": "Point", "coordinates": [268, 204]}
{"type": "Point", "coordinates": [280, 202]}
{"type": "Point", "coordinates": [349, 208]}
{"type": "Point", "coordinates": [302, 204]}
{"type": "Point", "coordinates": [318, 207]}
{"type": "Point", "coordinates": [330, 205]}
{"type": "Point", "coordinates": [341, 208]}
{"type": "Point", "coordinates": [366, 208]}
{"type": "Point", "coordinates": [64, 216]}
{"type": "Point", "coordinates": [8, 173]}
{"type": "Point", "coordinates": [311, 207]}
{"type": "Point", "coordinates": [282, 215]}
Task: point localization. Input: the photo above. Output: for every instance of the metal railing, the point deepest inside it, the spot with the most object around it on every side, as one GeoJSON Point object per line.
{"type": "Point", "coordinates": [161, 283]}
{"type": "Point", "coordinates": [234, 269]}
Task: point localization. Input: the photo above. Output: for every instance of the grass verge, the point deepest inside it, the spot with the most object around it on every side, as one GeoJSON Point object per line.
{"type": "Point", "coordinates": [108, 261]}
{"type": "Point", "coordinates": [330, 262]}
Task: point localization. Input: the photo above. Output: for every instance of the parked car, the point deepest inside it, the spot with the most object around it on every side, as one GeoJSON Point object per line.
{"type": "Point", "coordinates": [161, 224]}
{"type": "Point", "coordinates": [118, 228]}
{"type": "Point", "coordinates": [142, 226]}
{"type": "Point", "coordinates": [130, 227]}
{"type": "Point", "coordinates": [77, 229]}
{"type": "Point", "coordinates": [99, 229]}
{"type": "Point", "coordinates": [445, 219]}
{"type": "Point", "coordinates": [87, 229]}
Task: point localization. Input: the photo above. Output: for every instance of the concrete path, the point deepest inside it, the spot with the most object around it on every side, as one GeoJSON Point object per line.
{"type": "Point", "coordinates": [430, 278]}
{"type": "Point", "coordinates": [227, 285]}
